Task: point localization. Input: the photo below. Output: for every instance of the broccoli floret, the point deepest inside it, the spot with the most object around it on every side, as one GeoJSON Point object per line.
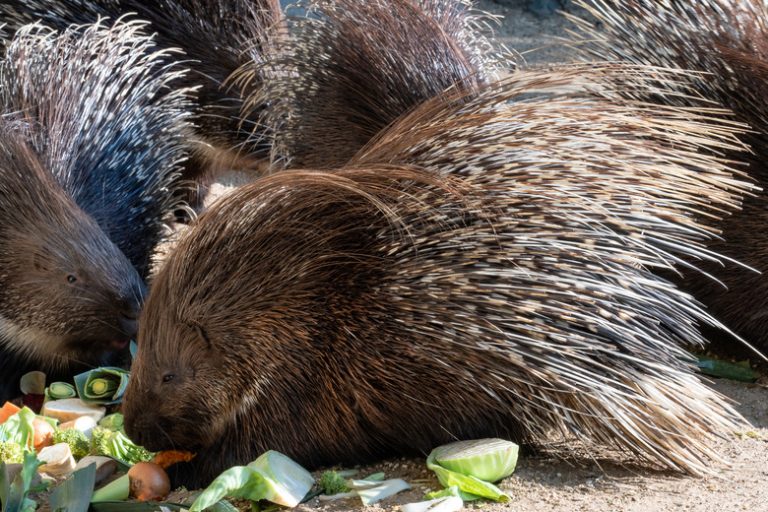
{"type": "Point", "coordinates": [100, 441]}
{"type": "Point", "coordinates": [115, 444]}
{"type": "Point", "coordinates": [76, 440]}
{"type": "Point", "coordinates": [332, 482]}
{"type": "Point", "coordinates": [11, 453]}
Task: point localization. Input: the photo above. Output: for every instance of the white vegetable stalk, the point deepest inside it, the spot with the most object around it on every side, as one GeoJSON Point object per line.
{"type": "Point", "coordinates": [447, 504]}
{"type": "Point", "coordinates": [57, 460]}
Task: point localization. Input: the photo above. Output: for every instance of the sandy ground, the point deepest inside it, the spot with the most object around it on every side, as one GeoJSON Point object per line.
{"type": "Point", "coordinates": [541, 484]}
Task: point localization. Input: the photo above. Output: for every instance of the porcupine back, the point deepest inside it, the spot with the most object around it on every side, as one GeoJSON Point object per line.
{"type": "Point", "coordinates": [353, 66]}
{"type": "Point", "coordinates": [724, 44]}
{"type": "Point", "coordinates": [485, 266]}
{"type": "Point", "coordinates": [113, 123]}
{"type": "Point", "coordinates": [215, 36]}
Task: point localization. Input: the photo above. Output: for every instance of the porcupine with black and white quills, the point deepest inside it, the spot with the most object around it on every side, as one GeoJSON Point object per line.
{"type": "Point", "coordinates": [93, 139]}
{"type": "Point", "coordinates": [724, 44]}
{"type": "Point", "coordinates": [215, 37]}
{"type": "Point", "coordinates": [485, 266]}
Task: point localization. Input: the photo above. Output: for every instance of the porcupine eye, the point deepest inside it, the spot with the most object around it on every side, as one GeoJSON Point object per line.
{"type": "Point", "coordinates": [168, 377]}
{"type": "Point", "coordinates": [71, 279]}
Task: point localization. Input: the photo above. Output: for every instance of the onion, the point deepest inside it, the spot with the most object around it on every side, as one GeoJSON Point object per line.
{"type": "Point", "coordinates": [43, 434]}
{"type": "Point", "coordinates": [149, 482]}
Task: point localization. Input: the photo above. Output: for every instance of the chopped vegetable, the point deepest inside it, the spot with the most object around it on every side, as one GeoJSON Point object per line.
{"type": "Point", "coordinates": [114, 421]}
{"type": "Point", "coordinates": [84, 424]}
{"type": "Point", "coordinates": [446, 504]}
{"type": "Point", "coordinates": [43, 433]}
{"type": "Point", "coordinates": [115, 444]}
{"type": "Point", "coordinates": [383, 490]}
{"type": "Point", "coordinates": [11, 453]}
{"type": "Point", "coordinates": [19, 429]}
{"type": "Point", "coordinates": [32, 383]}
{"type": "Point", "coordinates": [103, 386]}
{"type": "Point", "coordinates": [57, 460]}
{"type": "Point", "coordinates": [722, 369]}
{"type": "Point", "coordinates": [14, 494]}
{"type": "Point", "coordinates": [7, 411]}
{"type": "Point", "coordinates": [370, 489]}
{"type": "Point", "coordinates": [472, 465]}
{"type": "Point", "coordinates": [444, 493]}
{"type": "Point", "coordinates": [60, 391]}
{"type": "Point", "coordinates": [74, 494]}
{"type": "Point", "coordinates": [76, 440]}
{"type": "Point", "coordinates": [331, 482]}
{"type": "Point", "coordinates": [116, 490]}
{"type": "Point", "coordinates": [272, 476]}
{"type": "Point", "coordinates": [168, 458]}
{"type": "Point", "coordinates": [105, 466]}
{"type": "Point", "coordinates": [70, 409]}
{"type": "Point", "coordinates": [148, 482]}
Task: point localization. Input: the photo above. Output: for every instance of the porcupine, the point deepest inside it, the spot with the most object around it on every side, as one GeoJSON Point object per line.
{"type": "Point", "coordinates": [216, 37]}
{"type": "Point", "coordinates": [485, 266]}
{"type": "Point", "coordinates": [340, 79]}
{"type": "Point", "coordinates": [725, 45]}
{"type": "Point", "coordinates": [93, 131]}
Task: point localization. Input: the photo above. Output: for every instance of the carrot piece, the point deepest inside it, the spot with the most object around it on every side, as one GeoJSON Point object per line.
{"type": "Point", "coordinates": [8, 410]}
{"type": "Point", "coordinates": [171, 457]}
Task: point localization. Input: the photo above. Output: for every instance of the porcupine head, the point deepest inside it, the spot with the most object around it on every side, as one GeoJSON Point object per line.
{"type": "Point", "coordinates": [68, 295]}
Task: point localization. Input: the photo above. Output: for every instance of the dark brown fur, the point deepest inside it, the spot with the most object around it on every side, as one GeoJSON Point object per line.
{"type": "Point", "coordinates": [93, 134]}
{"type": "Point", "coordinates": [351, 69]}
{"type": "Point", "coordinates": [483, 267]}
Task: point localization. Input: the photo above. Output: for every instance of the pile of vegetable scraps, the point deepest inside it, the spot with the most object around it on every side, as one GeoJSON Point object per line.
{"type": "Point", "coordinates": [66, 442]}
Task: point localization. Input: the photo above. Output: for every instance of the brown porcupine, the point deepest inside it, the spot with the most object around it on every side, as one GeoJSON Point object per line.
{"type": "Point", "coordinates": [216, 37]}
{"type": "Point", "coordinates": [484, 267]}
{"type": "Point", "coordinates": [351, 67]}
{"type": "Point", "coordinates": [725, 44]}
{"type": "Point", "coordinates": [93, 138]}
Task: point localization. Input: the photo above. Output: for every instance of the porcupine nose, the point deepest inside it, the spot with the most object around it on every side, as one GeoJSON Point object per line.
{"type": "Point", "coordinates": [129, 321]}
{"type": "Point", "coordinates": [128, 315]}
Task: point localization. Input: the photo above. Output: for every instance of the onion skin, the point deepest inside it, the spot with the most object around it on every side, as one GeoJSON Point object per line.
{"type": "Point", "coordinates": [149, 482]}
{"type": "Point", "coordinates": [43, 434]}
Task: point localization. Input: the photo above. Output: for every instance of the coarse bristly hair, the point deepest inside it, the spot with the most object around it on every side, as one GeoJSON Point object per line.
{"type": "Point", "coordinates": [113, 123]}
{"type": "Point", "coordinates": [486, 266]}
{"type": "Point", "coordinates": [213, 39]}
{"type": "Point", "coordinates": [725, 45]}
{"type": "Point", "coordinates": [351, 67]}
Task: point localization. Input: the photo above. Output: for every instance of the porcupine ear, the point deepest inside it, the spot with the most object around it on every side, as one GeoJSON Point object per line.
{"type": "Point", "coordinates": [353, 66]}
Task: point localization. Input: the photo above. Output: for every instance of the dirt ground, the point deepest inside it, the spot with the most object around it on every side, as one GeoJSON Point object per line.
{"type": "Point", "coordinates": [541, 484]}
{"type": "Point", "coordinates": [556, 486]}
